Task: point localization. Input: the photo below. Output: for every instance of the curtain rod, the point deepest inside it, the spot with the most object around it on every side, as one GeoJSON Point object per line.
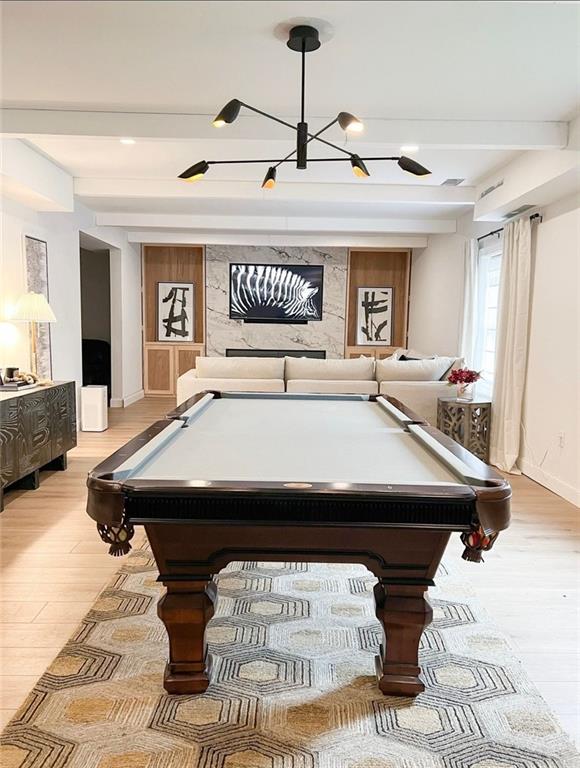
{"type": "Point", "coordinates": [533, 217]}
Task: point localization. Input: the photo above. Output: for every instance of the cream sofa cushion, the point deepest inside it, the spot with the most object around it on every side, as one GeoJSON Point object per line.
{"type": "Point", "coordinates": [332, 387]}
{"type": "Point", "coordinates": [413, 370]}
{"type": "Point", "coordinates": [240, 367]}
{"type": "Point", "coordinates": [355, 369]}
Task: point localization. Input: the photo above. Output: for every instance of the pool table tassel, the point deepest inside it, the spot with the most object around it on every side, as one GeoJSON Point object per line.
{"type": "Point", "coordinates": [117, 536]}
{"type": "Point", "coordinates": [476, 542]}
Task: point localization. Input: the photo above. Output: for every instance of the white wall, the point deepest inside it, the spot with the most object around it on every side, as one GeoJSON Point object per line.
{"type": "Point", "coordinates": [436, 300]}
{"type": "Point", "coordinates": [552, 396]}
{"type": "Point", "coordinates": [63, 284]}
{"type": "Point", "coordinates": [61, 232]}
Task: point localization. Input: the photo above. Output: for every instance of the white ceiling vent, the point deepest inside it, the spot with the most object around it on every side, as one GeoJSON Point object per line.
{"type": "Point", "coordinates": [489, 190]}
{"type": "Point", "coordinates": [518, 211]}
{"type": "Point", "coordinates": [452, 182]}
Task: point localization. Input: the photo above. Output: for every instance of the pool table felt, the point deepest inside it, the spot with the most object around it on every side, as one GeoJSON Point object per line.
{"type": "Point", "coordinates": [281, 440]}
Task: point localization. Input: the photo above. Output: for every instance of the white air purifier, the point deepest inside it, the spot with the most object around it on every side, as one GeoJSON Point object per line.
{"type": "Point", "coordinates": [94, 417]}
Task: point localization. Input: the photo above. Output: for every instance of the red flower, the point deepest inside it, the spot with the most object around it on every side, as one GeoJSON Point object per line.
{"type": "Point", "coordinates": [463, 376]}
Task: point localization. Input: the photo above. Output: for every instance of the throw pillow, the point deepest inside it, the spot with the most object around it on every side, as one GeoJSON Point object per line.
{"type": "Point", "coordinates": [413, 370]}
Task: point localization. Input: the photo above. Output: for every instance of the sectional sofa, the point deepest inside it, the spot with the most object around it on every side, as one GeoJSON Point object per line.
{"type": "Point", "coordinates": [417, 382]}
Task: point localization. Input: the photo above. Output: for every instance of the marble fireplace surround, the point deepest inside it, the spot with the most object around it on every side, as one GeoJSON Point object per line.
{"type": "Point", "coordinates": [222, 332]}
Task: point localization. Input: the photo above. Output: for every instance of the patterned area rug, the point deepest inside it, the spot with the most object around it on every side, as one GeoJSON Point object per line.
{"type": "Point", "coordinates": [293, 684]}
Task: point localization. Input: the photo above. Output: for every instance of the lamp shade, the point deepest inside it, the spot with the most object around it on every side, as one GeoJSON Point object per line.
{"type": "Point", "coordinates": [269, 179]}
{"type": "Point", "coordinates": [228, 114]}
{"type": "Point", "coordinates": [33, 308]}
{"type": "Point", "coordinates": [412, 166]}
{"type": "Point", "coordinates": [196, 171]}
{"type": "Point", "coordinates": [349, 122]}
{"type": "Point", "coordinates": [358, 167]}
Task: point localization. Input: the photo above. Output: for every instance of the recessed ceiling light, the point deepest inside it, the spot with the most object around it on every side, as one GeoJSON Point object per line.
{"type": "Point", "coordinates": [127, 141]}
{"type": "Point", "coordinates": [409, 148]}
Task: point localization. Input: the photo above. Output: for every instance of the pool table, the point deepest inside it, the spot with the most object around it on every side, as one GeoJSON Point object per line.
{"type": "Point", "coordinates": [307, 478]}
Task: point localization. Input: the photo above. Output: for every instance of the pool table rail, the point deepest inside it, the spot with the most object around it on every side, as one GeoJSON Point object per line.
{"type": "Point", "coordinates": [106, 503]}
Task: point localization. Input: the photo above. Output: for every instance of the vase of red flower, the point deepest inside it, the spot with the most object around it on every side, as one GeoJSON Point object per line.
{"type": "Point", "coordinates": [464, 379]}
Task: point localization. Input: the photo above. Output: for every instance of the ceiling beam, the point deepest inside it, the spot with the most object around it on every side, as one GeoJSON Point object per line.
{"type": "Point", "coordinates": [349, 240]}
{"type": "Point", "coordinates": [272, 224]}
{"type": "Point", "coordinates": [287, 191]}
{"type": "Point", "coordinates": [532, 179]}
{"type": "Point", "coordinates": [428, 134]}
{"type": "Point", "coordinates": [32, 179]}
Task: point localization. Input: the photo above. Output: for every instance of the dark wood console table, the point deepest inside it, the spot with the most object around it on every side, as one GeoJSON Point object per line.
{"type": "Point", "coordinates": [37, 428]}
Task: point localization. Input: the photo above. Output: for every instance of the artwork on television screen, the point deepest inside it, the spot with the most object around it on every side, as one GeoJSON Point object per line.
{"type": "Point", "coordinates": [276, 293]}
{"type": "Point", "coordinates": [374, 317]}
{"type": "Point", "coordinates": [175, 315]}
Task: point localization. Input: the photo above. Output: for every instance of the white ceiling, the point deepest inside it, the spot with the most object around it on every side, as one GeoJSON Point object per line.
{"type": "Point", "coordinates": [474, 83]}
{"type": "Point", "coordinates": [423, 60]}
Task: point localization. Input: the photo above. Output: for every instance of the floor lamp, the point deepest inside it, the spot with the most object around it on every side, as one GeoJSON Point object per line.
{"type": "Point", "coordinates": [33, 308]}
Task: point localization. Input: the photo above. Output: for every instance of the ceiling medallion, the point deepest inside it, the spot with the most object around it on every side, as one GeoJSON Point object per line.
{"type": "Point", "coordinates": [303, 39]}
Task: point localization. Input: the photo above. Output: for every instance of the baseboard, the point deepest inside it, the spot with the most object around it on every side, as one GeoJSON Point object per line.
{"type": "Point", "coordinates": [115, 402]}
{"type": "Point", "coordinates": [550, 482]}
{"type": "Point", "coordinates": [139, 395]}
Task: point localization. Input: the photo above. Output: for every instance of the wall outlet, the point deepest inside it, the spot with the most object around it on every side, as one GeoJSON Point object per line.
{"type": "Point", "coordinates": [561, 436]}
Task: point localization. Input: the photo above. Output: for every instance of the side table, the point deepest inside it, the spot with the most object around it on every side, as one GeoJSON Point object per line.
{"type": "Point", "coordinates": [468, 423]}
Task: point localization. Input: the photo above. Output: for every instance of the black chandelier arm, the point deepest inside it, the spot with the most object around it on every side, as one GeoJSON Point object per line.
{"type": "Point", "coordinates": [294, 128]}
{"type": "Point", "coordinates": [329, 143]}
{"type": "Point", "coordinates": [338, 159]}
{"type": "Point", "coordinates": [312, 137]}
{"type": "Point", "coordinates": [270, 117]}
{"type": "Point", "coordinates": [276, 163]}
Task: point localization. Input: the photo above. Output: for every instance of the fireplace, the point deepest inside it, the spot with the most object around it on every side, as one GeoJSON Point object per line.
{"type": "Point", "coordinates": [319, 354]}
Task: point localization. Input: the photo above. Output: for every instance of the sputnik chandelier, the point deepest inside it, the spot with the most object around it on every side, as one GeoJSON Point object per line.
{"type": "Point", "coordinates": [302, 39]}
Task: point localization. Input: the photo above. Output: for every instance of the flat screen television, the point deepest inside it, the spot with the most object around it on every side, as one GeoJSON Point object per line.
{"type": "Point", "coordinates": [276, 293]}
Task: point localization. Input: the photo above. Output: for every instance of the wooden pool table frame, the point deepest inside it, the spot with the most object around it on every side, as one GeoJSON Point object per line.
{"type": "Point", "coordinates": [398, 532]}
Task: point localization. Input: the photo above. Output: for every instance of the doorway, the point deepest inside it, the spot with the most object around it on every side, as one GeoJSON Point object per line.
{"type": "Point", "coordinates": [95, 269]}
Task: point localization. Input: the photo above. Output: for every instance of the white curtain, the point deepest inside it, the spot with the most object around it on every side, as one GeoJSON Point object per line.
{"type": "Point", "coordinates": [470, 304]}
{"type": "Point", "coordinates": [511, 344]}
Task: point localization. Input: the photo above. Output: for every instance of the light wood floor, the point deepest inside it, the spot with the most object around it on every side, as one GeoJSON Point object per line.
{"type": "Point", "coordinates": [53, 565]}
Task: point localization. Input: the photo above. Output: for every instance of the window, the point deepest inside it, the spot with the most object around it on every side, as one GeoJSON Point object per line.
{"type": "Point", "coordinates": [488, 274]}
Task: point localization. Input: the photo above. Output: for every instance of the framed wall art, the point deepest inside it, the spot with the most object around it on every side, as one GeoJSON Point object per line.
{"type": "Point", "coordinates": [175, 311]}
{"type": "Point", "coordinates": [36, 262]}
{"type": "Point", "coordinates": [374, 317]}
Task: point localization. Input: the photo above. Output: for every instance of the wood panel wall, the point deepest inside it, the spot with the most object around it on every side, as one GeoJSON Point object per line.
{"type": "Point", "coordinates": [164, 361]}
{"type": "Point", "coordinates": [182, 264]}
{"type": "Point", "coordinates": [379, 269]}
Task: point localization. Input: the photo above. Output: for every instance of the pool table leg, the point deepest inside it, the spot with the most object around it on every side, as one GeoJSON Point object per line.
{"type": "Point", "coordinates": [404, 612]}
{"type": "Point", "coordinates": [185, 610]}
